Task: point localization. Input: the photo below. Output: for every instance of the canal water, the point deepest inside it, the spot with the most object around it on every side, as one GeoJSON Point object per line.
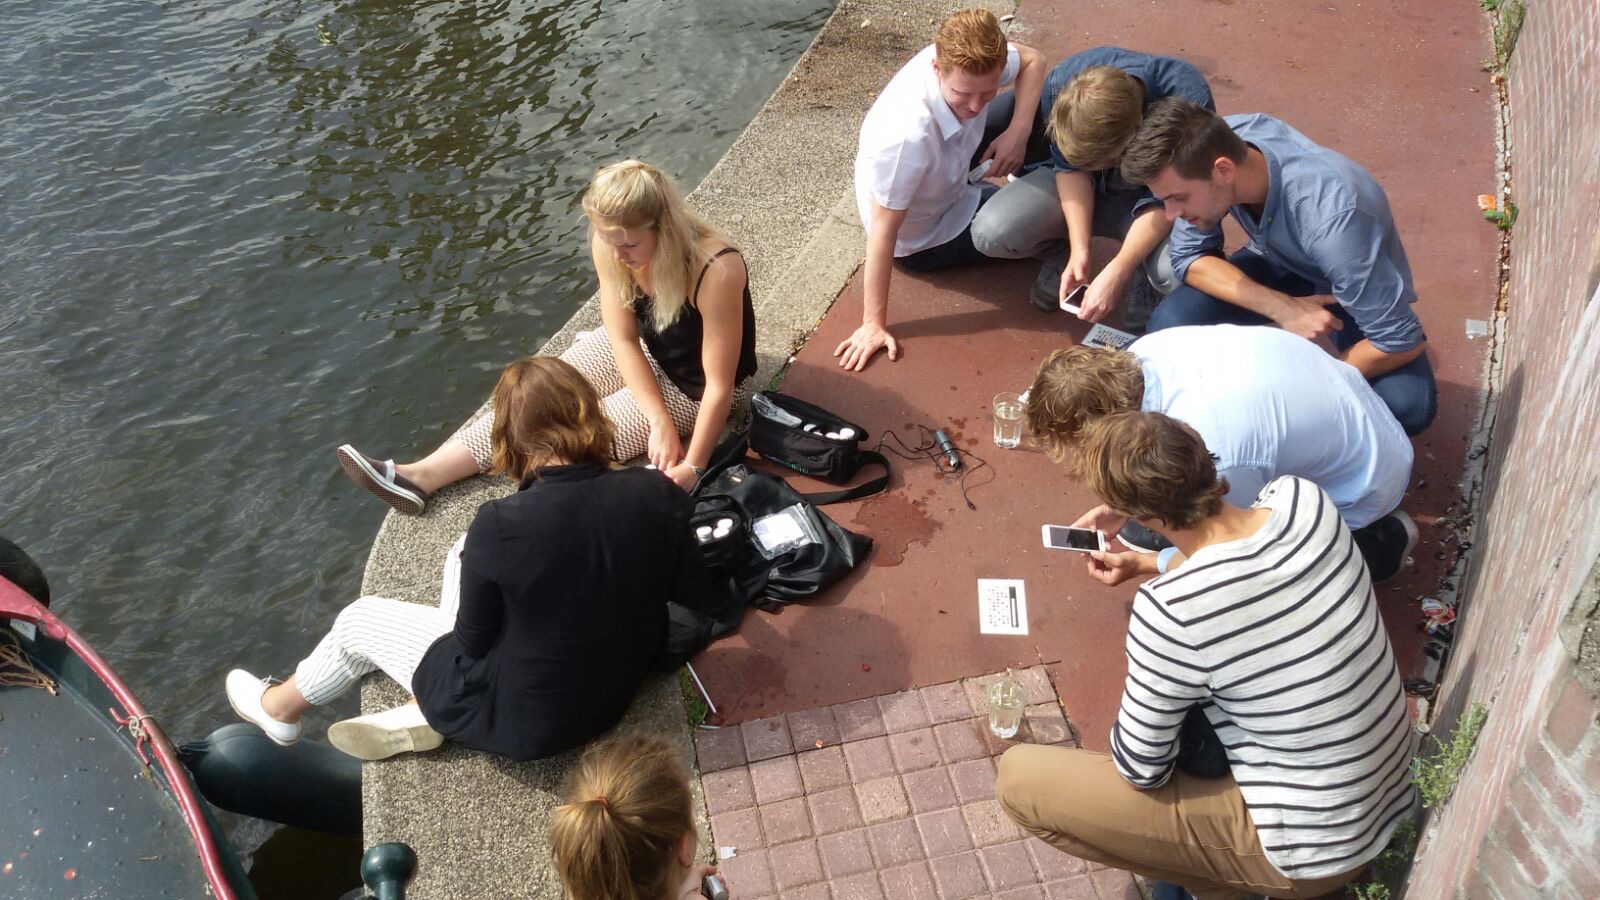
{"type": "Point", "coordinates": [237, 233]}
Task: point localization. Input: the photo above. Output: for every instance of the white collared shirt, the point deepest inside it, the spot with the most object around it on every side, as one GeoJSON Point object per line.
{"type": "Point", "coordinates": [915, 154]}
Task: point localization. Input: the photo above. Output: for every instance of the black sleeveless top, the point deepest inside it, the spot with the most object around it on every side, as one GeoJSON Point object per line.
{"type": "Point", "coordinates": [677, 348]}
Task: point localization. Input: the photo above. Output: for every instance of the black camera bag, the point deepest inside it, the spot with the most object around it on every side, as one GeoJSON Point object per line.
{"type": "Point", "coordinates": [834, 460]}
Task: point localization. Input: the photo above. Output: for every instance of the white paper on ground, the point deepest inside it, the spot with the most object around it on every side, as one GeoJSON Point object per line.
{"type": "Point", "coordinates": [727, 852]}
{"type": "Point", "coordinates": [1002, 606]}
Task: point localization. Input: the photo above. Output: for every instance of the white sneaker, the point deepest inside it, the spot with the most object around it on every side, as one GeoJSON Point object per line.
{"type": "Point", "coordinates": [244, 695]}
{"type": "Point", "coordinates": [384, 734]}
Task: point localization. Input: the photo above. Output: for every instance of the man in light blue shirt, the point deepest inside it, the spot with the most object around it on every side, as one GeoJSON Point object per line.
{"type": "Point", "coordinates": [1266, 403]}
{"type": "Point", "coordinates": [1323, 261]}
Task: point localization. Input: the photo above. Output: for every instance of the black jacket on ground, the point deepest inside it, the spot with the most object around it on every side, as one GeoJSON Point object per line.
{"type": "Point", "coordinates": [564, 586]}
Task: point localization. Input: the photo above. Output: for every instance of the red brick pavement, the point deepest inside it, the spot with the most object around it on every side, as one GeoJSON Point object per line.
{"type": "Point", "coordinates": [888, 797]}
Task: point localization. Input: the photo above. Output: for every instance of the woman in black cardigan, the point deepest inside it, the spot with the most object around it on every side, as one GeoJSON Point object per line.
{"type": "Point", "coordinates": [563, 593]}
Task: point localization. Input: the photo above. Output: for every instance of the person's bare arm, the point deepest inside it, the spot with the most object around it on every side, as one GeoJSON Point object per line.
{"type": "Point", "coordinates": [1076, 192]}
{"type": "Point", "coordinates": [721, 303]}
{"type": "Point", "coordinates": [1009, 148]}
{"type": "Point", "coordinates": [1372, 362]}
{"type": "Point", "coordinates": [1113, 568]}
{"type": "Point", "coordinates": [1306, 316]}
{"type": "Point", "coordinates": [665, 448]}
{"type": "Point", "coordinates": [873, 335]}
{"type": "Point", "coordinates": [1111, 285]}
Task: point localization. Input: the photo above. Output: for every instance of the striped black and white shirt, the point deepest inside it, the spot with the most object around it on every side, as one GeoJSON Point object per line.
{"type": "Point", "coordinates": [1278, 636]}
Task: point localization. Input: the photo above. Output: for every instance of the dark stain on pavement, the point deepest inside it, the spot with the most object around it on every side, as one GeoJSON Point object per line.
{"type": "Point", "coordinates": [895, 523]}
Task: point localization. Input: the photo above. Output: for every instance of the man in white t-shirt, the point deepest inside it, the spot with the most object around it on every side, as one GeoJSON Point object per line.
{"type": "Point", "coordinates": [917, 184]}
{"type": "Point", "coordinates": [1267, 403]}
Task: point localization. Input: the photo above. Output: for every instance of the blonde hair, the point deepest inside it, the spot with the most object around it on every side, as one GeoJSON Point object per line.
{"type": "Point", "coordinates": [1095, 116]}
{"type": "Point", "coordinates": [627, 809]}
{"type": "Point", "coordinates": [970, 40]}
{"type": "Point", "coordinates": [544, 411]}
{"type": "Point", "coordinates": [636, 196]}
{"type": "Point", "coordinates": [1076, 386]}
{"type": "Point", "coordinates": [1151, 466]}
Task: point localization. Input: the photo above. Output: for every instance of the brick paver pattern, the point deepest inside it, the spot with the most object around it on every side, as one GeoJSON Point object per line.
{"type": "Point", "coordinates": [889, 798]}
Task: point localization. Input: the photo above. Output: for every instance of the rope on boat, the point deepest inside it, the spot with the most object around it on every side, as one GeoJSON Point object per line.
{"type": "Point", "coordinates": [135, 726]}
{"type": "Point", "coordinates": [16, 670]}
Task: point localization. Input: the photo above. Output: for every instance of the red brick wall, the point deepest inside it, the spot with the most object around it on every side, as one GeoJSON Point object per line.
{"type": "Point", "coordinates": [1525, 817]}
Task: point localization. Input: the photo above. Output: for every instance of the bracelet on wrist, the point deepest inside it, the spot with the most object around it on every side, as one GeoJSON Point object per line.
{"type": "Point", "coordinates": [1164, 559]}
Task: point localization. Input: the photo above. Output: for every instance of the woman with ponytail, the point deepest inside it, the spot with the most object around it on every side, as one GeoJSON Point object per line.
{"type": "Point", "coordinates": [627, 829]}
{"type": "Point", "coordinates": [675, 355]}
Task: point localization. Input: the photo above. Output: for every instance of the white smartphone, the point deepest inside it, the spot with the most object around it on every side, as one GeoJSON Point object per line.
{"type": "Point", "coordinates": [979, 170]}
{"type": "Point", "coordinates": [1073, 302]}
{"type": "Point", "coordinates": [1063, 537]}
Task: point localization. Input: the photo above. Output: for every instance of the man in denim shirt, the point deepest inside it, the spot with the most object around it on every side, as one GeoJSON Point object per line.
{"type": "Point", "coordinates": [1323, 261]}
{"type": "Point", "coordinates": [1093, 102]}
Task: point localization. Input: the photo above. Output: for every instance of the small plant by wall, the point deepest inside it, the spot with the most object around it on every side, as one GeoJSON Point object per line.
{"type": "Point", "coordinates": [1388, 865]}
{"type": "Point", "coordinates": [1435, 776]}
{"type": "Point", "coordinates": [1507, 16]}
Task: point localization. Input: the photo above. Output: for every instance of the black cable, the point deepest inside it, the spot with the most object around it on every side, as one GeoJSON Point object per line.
{"type": "Point", "coordinates": [926, 451]}
{"type": "Point", "coordinates": [968, 470]}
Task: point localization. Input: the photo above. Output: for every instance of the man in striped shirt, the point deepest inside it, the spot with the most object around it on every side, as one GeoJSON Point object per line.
{"type": "Point", "coordinates": [1264, 618]}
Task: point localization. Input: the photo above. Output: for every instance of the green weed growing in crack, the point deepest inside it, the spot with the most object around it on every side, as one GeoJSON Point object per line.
{"type": "Point", "coordinates": [1389, 864]}
{"type": "Point", "coordinates": [1436, 776]}
{"type": "Point", "coordinates": [1503, 219]}
{"type": "Point", "coordinates": [1507, 16]}
{"type": "Point", "coordinates": [693, 705]}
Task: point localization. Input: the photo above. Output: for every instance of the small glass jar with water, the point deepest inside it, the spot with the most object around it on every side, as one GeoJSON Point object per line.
{"type": "Point", "coordinates": [1007, 420]}
{"type": "Point", "coordinates": [1006, 698]}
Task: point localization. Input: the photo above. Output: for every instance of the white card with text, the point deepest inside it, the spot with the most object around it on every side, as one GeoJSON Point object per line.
{"type": "Point", "coordinates": [1002, 606]}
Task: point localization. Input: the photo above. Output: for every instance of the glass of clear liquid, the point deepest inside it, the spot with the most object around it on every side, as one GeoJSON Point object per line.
{"type": "Point", "coordinates": [1005, 707]}
{"type": "Point", "coordinates": [1007, 420]}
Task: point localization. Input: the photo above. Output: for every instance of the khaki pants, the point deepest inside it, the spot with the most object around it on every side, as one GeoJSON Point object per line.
{"type": "Point", "coordinates": [1195, 832]}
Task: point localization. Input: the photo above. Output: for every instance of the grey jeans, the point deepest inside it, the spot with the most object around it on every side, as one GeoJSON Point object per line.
{"type": "Point", "coordinates": [1024, 220]}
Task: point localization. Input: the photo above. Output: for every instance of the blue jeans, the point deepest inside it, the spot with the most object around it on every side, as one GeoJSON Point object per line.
{"type": "Point", "coordinates": [1410, 391]}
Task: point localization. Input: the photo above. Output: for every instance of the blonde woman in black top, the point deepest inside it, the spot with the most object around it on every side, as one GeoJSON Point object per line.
{"type": "Point", "coordinates": [676, 352]}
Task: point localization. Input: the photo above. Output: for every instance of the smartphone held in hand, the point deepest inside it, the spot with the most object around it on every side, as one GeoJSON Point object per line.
{"type": "Point", "coordinates": [1064, 537]}
{"type": "Point", "coordinates": [1073, 302]}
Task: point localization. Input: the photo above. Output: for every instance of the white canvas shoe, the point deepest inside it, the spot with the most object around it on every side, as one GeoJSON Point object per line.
{"type": "Point", "coordinates": [244, 695]}
{"type": "Point", "coordinates": [384, 734]}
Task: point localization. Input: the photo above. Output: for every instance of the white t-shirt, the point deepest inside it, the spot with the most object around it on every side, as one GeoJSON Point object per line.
{"type": "Point", "coordinates": [915, 154]}
{"type": "Point", "coordinates": [1269, 403]}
